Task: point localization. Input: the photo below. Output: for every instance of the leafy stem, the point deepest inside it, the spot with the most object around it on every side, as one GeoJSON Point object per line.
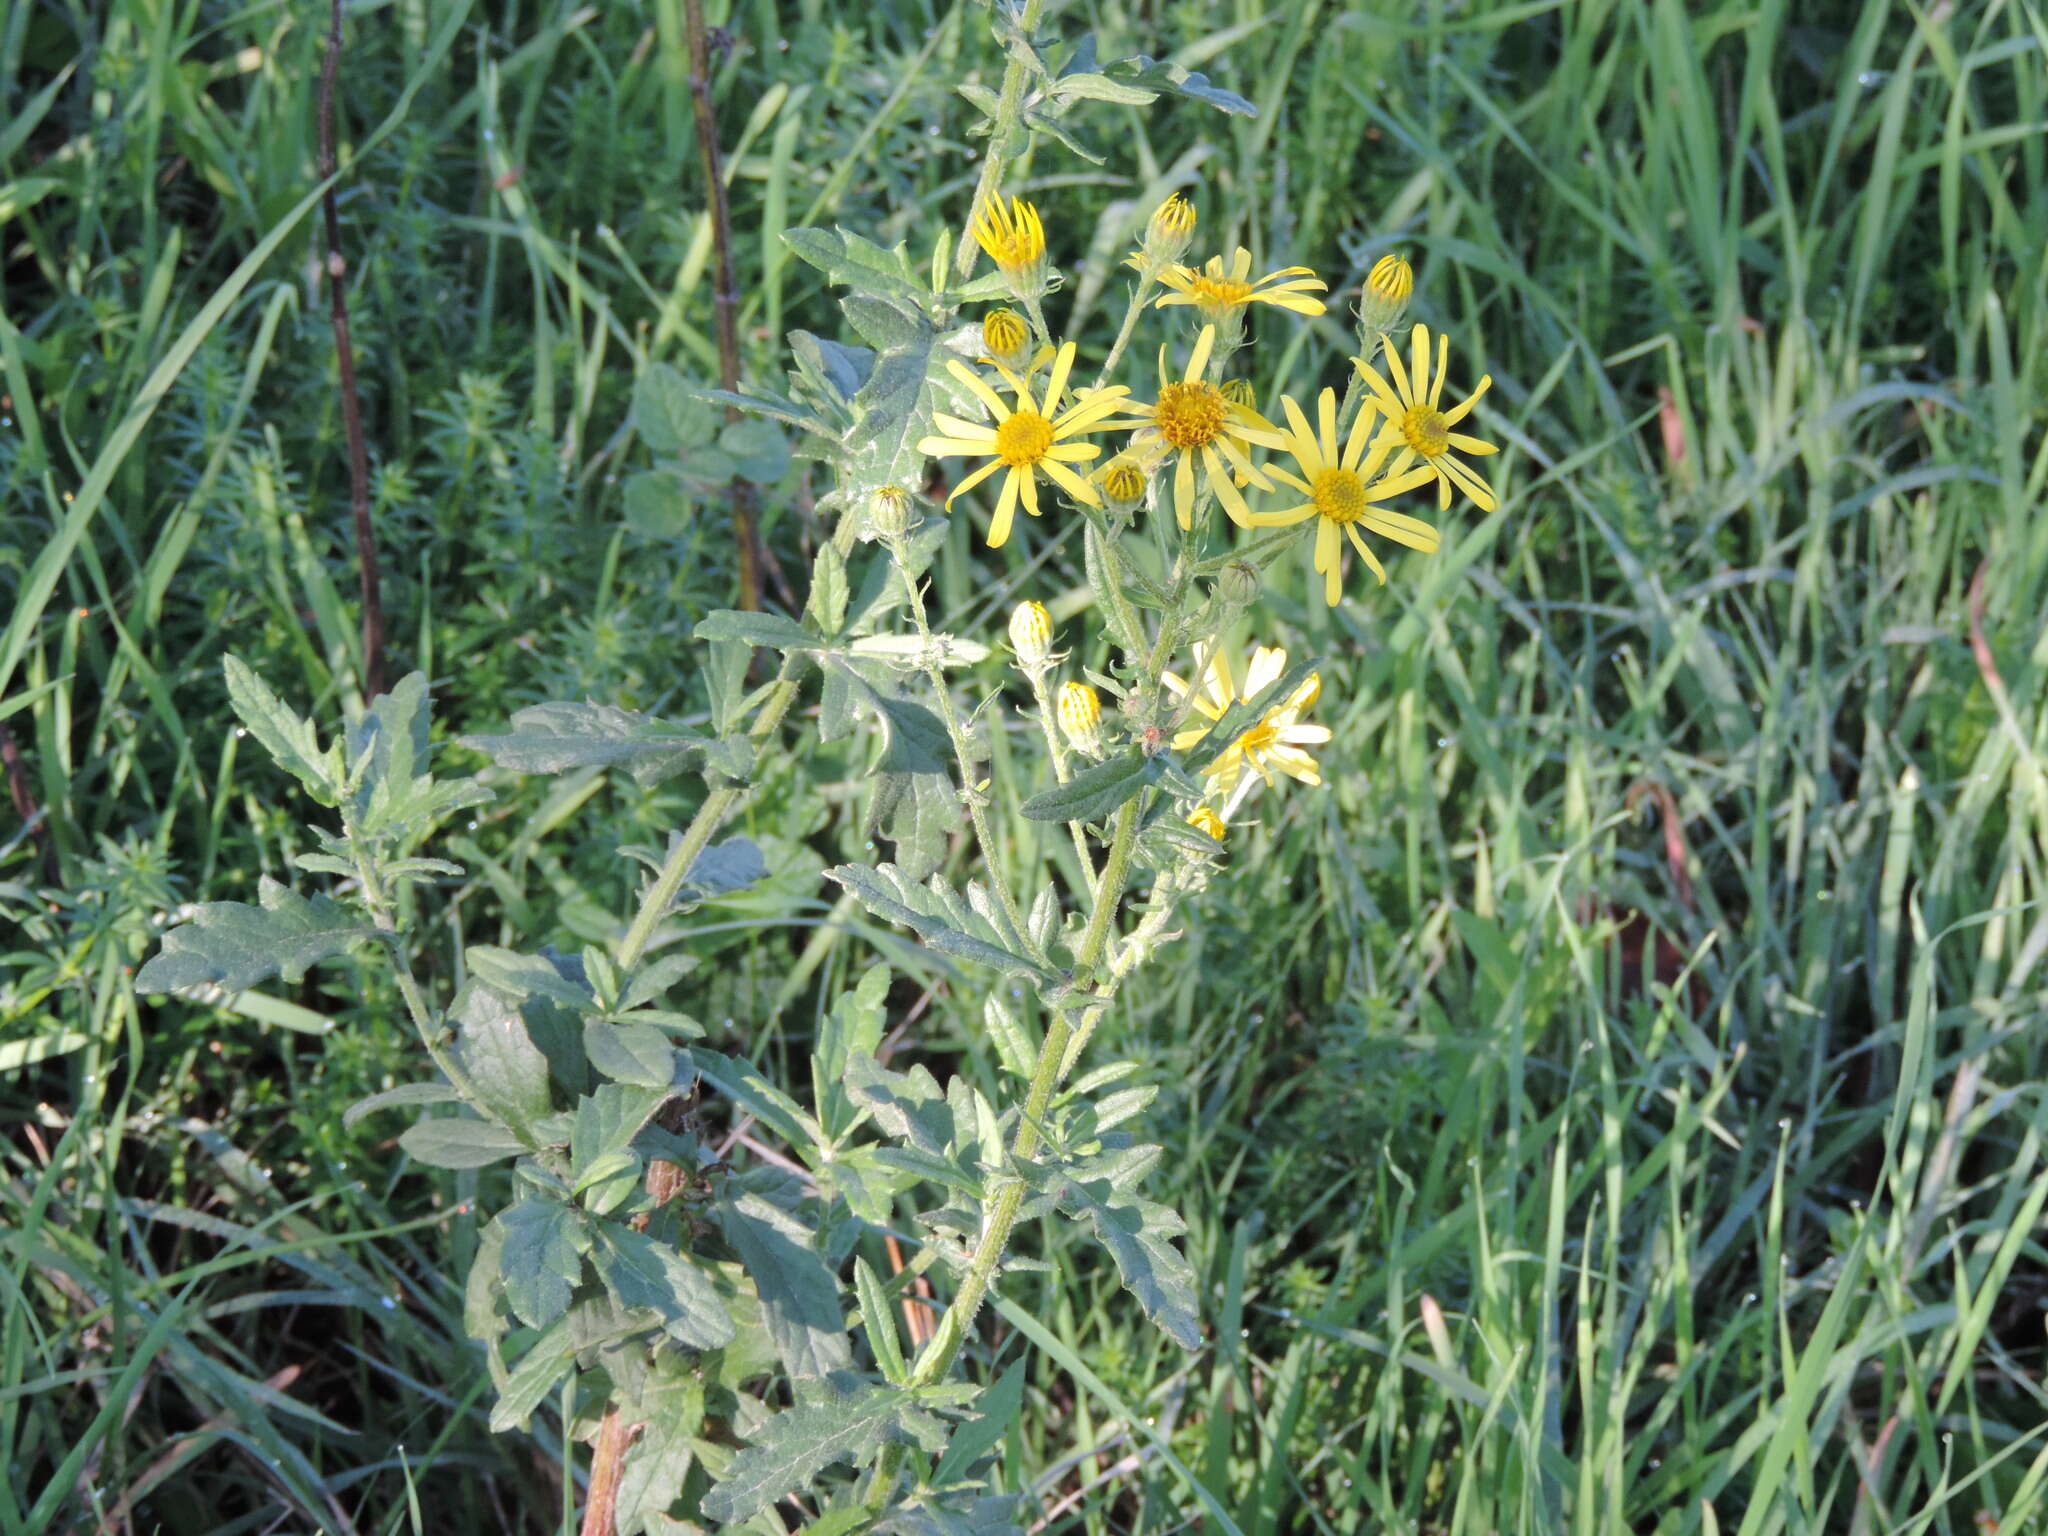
{"type": "Point", "coordinates": [1009, 116]}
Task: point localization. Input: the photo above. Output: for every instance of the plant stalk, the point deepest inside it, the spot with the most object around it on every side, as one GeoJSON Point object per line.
{"type": "Point", "coordinates": [1009, 111]}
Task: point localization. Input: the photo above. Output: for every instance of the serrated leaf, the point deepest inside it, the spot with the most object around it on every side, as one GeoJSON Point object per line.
{"type": "Point", "coordinates": [792, 1447]}
{"type": "Point", "coordinates": [995, 1411]}
{"type": "Point", "coordinates": [535, 1378]}
{"type": "Point", "coordinates": [913, 804]}
{"type": "Point", "coordinates": [393, 799]}
{"type": "Point", "coordinates": [459, 1143]}
{"type": "Point", "coordinates": [853, 1026]}
{"type": "Point", "coordinates": [743, 1082]}
{"type": "Point", "coordinates": [664, 410]}
{"type": "Point", "coordinates": [892, 412]}
{"type": "Point", "coordinates": [1164, 75]}
{"type": "Point", "coordinates": [1050, 125]}
{"type": "Point", "coordinates": [557, 978]}
{"type": "Point", "coordinates": [951, 1513]}
{"type": "Point", "coordinates": [1137, 1232]}
{"type": "Point", "coordinates": [505, 1068]}
{"type": "Point", "coordinates": [290, 740]}
{"type": "Point", "coordinates": [937, 913]}
{"type": "Point", "coordinates": [725, 867]}
{"type": "Point", "coordinates": [827, 604]}
{"type": "Point", "coordinates": [910, 1106]}
{"type": "Point", "coordinates": [637, 1054]}
{"type": "Point", "coordinates": [607, 1120]}
{"type": "Point", "coordinates": [553, 738]}
{"type": "Point", "coordinates": [834, 365]}
{"type": "Point", "coordinates": [542, 1258]}
{"type": "Point", "coordinates": [671, 1414]}
{"type": "Point", "coordinates": [641, 1272]}
{"type": "Point", "coordinates": [853, 261]}
{"type": "Point", "coordinates": [799, 1297]}
{"type": "Point", "coordinates": [1094, 792]}
{"type": "Point", "coordinates": [771, 630]}
{"type": "Point", "coordinates": [234, 946]}
{"type": "Point", "coordinates": [405, 1095]}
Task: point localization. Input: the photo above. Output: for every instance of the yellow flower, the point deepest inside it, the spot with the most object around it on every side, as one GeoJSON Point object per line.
{"type": "Point", "coordinates": [1342, 493]}
{"type": "Point", "coordinates": [1195, 423]}
{"type": "Point", "coordinates": [1031, 635]}
{"type": "Point", "coordinates": [1387, 288]}
{"type": "Point", "coordinates": [1167, 235]}
{"type": "Point", "coordinates": [1007, 338]}
{"type": "Point", "coordinates": [1080, 715]}
{"type": "Point", "coordinates": [1122, 481]}
{"type": "Point", "coordinates": [1205, 820]}
{"type": "Point", "coordinates": [1222, 292]}
{"type": "Point", "coordinates": [1417, 422]}
{"type": "Point", "coordinates": [1027, 440]}
{"type": "Point", "coordinates": [1015, 242]}
{"type": "Point", "coordinates": [1276, 741]}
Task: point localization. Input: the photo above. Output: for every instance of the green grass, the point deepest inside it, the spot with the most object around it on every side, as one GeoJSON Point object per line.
{"type": "Point", "coordinates": [1531, 1195]}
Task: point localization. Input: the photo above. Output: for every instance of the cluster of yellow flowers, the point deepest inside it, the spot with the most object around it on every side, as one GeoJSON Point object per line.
{"type": "Point", "coordinates": [1201, 432]}
{"type": "Point", "coordinates": [1204, 427]}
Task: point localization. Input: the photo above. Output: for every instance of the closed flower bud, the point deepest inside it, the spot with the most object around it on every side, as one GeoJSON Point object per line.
{"type": "Point", "coordinates": [891, 511]}
{"type": "Point", "coordinates": [1205, 820]}
{"type": "Point", "coordinates": [1239, 392]}
{"type": "Point", "coordinates": [1171, 229]}
{"type": "Point", "coordinates": [1007, 338]}
{"type": "Point", "coordinates": [1238, 583]}
{"type": "Point", "coordinates": [1015, 241]}
{"type": "Point", "coordinates": [1122, 482]}
{"type": "Point", "coordinates": [1385, 298]}
{"type": "Point", "coordinates": [1031, 635]}
{"type": "Point", "coordinates": [1080, 716]}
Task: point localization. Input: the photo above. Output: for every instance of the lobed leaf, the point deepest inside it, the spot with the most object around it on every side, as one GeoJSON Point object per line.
{"type": "Point", "coordinates": [233, 946]}
{"type": "Point", "coordinates": [553, 738]}
{"type": "Point", "coordinates": [1094, 792]}
{"type": "Point", "coordinates": [937, 913]}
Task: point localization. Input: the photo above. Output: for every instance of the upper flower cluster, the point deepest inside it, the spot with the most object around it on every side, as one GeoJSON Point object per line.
{"type": "Point", "coordinates": [1202, 426]}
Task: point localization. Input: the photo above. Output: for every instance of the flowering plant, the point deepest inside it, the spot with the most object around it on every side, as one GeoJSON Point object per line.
{"type": "Point", "coordinates": [691, 1313]}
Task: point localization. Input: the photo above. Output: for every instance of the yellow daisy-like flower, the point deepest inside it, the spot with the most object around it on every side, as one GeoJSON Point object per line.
{"type": "Point", "coordinates": [1221, 292]}
{"type": "Point", "coordinates": [1030, 439]}
{"type": "Point", "coordinates": [1015, 242]}
{"type": "Point", "coordinates": [1122, 482]}
{"type": "Point", "coordinates": [1208, 821]}
{"type": "Point", "coordinates": [1341, 491]}
{"type": "Point", "coordinates": [1273, 744]}
{"type": "Point", "coordinates": [1195, 423]}
{"type": "Point", "coordinates": [1418, 423]}
{"type": "Point", "coordinates": [1006, 337]}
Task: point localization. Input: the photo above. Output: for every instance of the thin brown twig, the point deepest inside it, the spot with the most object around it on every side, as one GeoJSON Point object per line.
{"type": "Point", "coordinates": [25, 805]}
{"type": "Point", "coordinates": [351, 401]}
{"type": "Point", "coordinates": [724, 291]}
{"type": "Point", "coordinates": [607, 1466]}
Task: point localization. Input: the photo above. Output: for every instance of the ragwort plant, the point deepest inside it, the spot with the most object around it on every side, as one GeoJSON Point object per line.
{"type": "Point", "coordinates": [690, 1315]}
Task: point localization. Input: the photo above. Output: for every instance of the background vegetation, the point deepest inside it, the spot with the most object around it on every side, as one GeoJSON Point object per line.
{"type": "Point", "coordinates": [1613, 1104]}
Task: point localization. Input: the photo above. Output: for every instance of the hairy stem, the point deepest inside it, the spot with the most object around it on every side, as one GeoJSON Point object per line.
{"type": "Point", "coordinates": [676, 867]}
{"type": "Point", "coordinates": [1123, 335]}
{"type": "Point", "coordinates": [1009, 114]}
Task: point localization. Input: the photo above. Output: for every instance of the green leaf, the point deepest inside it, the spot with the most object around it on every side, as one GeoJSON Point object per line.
{"type": "Point", "coordinates": [913, 804]}
{"type": "Point", "coordinates": [852, 261]}
{"type": "Point", "coordinates": [827, 605]}
{"type": "Point", "coordinates": [725, 867]}
{"type": "Point", "coordinates": [233, 946]}
{"type": "Point", "coordinates": [460, 1143]}
{"type": "Point", "coordinates": [799, 1297]}
{"type": "Point", "coordinates": [878, 1320]}
{"type": "Point", "coordinates": [535, 1378]}
{"type": "Point", "coordinates": [607, 1120]}
{"type": "Point", "coordinates": [853, 1026]}
{"type": "Point", "coordinates": [392, 798]}
{"type": "Point", "coordinates": [771, 630]}
{"type": "Point", "coordinates": [641, 1272]}
{"type": "Point", "coordinates": [791, 1448]}
{"type": "Point", "coordinates": [995, 1411]}
{"type": "Point", "coordinates": [758, 450]}
{"type": "Point", "coordinates": [1094, 792]}
{"type": "Point", "coordinates": [1245, 714]}
{"type": "Point", "coordinates": [910, 1106]}
{"type": "Point", "coordinates": [291, 741]}
{"type": "Point", "coordinates": [742, 1082]}
{"type": "Point", "coordinates": [638, 1054]}
{"type": "Point", "coordinates": [542, 1258]}
{"type": "Point", "coordinates": [505, 1068]}
{"type": "Point", "coordinates": [406, 1094]}
{"type": "Point", "coordinates": [1137, 1232]}
{"type": "Point", "coordinates": [671, 1413]}
{"type": "Point", "coordinates": [955, 1513]}
{"type": "Point", "coordinates": [1163, 75]}
{"type": "Point", "coordinates": [892, 412]}
{"type": "Point", "coordinates": [553, 738]}
{"type": "Point", "coordinates": [938, 914]}
{"type": "Point", "coordinates": [663, 409]}
{"type": "Point", "coordinates": [657, 504]}
{"type": "Point", "coordinates": [1096, 87]}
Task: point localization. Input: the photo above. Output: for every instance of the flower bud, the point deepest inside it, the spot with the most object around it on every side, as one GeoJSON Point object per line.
{"type": "Point", "coordinates": [1080, 716]}
{"type": "Point", "coordinates": [1205, 820]}
{"type": "Point", "coordinates": [1239, 392]}
{"type": "Point", "coordinates": [1014, 239]}
{"type": "Point", "coordinates": [1385, 297]}
{"type": "Point", "coordinates": [1031, 635]}
{"type": "Point", "coordinates": [1007, 338]}
{"type": "Point", "coordinates": [1122, 483]}
{"type": "Point", "coordinates": [1170, 230]}
{"type": "Point", "coordinates": [1238, 584]}
{"type": "Point", "coordinates": [891, 512]}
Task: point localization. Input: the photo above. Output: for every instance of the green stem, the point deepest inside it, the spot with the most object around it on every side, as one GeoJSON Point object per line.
{"type": "Point", "coordinates": [1056, 750]}
{"type": "Point", "coordinates": [385, 915]}
{"type": "Point", "coordinates": [977, 804]}
{"type": "Point", "coordinates": [1123, 335]}
{"type": "Point", "coordinates": [1009, 112]}
{"type": "Point", "coordinates": [676, 868]}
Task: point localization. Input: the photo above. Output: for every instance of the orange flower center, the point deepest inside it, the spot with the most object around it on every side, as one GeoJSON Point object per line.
{"type": "Point", "coordinates": [1190, 415]}
{"type": "Point", "coordinates": [1213, 292]}
{"type": "Point", "coordinates": [1023, 439]}
{"type": "Point", "coordinates": [1258, 739]}
{"type": "Point", "coordinates": [1338, 494]}
{"type": "Point", "coordinates": [1426, 430]}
